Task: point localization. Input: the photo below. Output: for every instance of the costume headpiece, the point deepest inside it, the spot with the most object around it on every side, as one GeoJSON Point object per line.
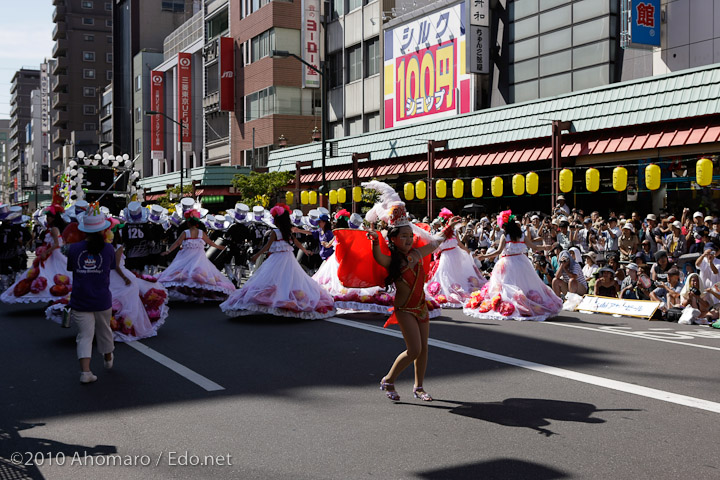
{"type": "Point", "coordinates": [389, 207]}
{"type": "Point", "coordinates": [445, 214]}
{"type": "Point", "coordinates": [504, 217]}
{"type": "Point", "coordinates": [342, 214]}
{"type": "Point", "coordinates": [57, 202]}
{"type": "Point", "coordinates": [192, 213]}
{"type": "Point", "coordinates": [279, 209]}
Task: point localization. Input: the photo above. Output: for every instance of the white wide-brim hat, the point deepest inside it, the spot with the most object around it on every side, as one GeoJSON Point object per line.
{"type": "Point", "coordinates": [355, 220]}
{"type": "Point", "coordinates": [91, 222]}
{"type": "Point", "coordinates": [313, 217]}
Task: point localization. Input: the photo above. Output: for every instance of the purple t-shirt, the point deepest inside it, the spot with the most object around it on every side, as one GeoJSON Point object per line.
{"type": "Point", "coordinates": [91, 277]}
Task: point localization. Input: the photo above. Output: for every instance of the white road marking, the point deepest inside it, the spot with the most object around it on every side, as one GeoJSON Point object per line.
{"type": "Point", "coordinates": [689, 335]}
{"type": "Point", "coordinates": [558, 372]}
{"type": "Point", "coordinates": [181, 370]}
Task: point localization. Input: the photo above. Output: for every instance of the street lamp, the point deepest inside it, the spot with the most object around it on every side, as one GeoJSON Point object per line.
{"type": "Point", "coordinates": [150, 113]}
{"type": "Point", "coordinates": [323, 107]}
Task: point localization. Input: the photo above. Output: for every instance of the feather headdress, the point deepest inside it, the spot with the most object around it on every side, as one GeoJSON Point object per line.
{"type": "Point", "coordinates": [389, 207]}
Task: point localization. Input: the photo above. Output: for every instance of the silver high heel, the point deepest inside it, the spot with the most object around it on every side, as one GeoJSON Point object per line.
{"type": "Point", "coordinates": [420, 393]}
{"type": "Point", "coordinates": [391, 394]}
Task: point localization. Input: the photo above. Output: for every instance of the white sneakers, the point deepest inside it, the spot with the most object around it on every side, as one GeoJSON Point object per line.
{"type": "Point", "coordinates": [87, 377]}
{"type": "Point", "coordinates": [109, 363]}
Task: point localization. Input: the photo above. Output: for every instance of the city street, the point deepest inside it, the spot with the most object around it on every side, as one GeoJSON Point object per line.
{"type": "Point", "coordinates": [581, 396]}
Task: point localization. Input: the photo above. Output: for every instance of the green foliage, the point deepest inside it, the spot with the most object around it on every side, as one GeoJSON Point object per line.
{"type": "Point", "coordinates": [369, 198]}
{"type": "Point", "coordinates": [261, 188]}
{"type": "Point", "coordinates": [165, 201]}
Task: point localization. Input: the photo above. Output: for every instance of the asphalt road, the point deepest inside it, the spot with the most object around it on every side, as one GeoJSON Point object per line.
{"type": "Point", "coordinates": [581, 396]}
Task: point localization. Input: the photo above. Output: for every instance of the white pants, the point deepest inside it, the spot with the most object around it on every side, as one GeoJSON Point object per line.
{"type": "Point", "coordinates": [93, 324]}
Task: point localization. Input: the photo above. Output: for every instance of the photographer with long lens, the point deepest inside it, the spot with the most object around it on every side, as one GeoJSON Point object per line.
{"type": "Point", "coordinates": [543, 269]}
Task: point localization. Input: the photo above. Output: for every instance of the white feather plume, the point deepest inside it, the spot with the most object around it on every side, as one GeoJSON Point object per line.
{"type": "Point", "coordinates": [388, 197]}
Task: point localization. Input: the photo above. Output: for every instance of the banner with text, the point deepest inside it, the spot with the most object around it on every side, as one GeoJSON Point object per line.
{"type": "Point", "coordinates": [618, 306]}
{"type": "Point", "coordinates": [478, 48]}
{"type": "Point", "coordinates": [310, 41]}
{"type": "Point", "coordinates": [425, 75]}
{"type": "Point", "coordinates": [227, 74]}
{"type": "Point", "coordinates": [157, 122]}
{"type": "Point", "coordinates": [185, 99]}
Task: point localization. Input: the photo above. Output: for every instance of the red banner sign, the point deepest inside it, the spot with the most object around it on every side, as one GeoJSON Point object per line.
{"type": "Point", "coordinates": [227, 74]}
{"type": "Point", "coordinates": [185, 98]}
{"type": "Point", "coordinates": [157, 122]}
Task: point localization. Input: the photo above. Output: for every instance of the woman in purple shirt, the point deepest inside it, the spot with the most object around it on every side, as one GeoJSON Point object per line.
{"type": "Point", "coordinates": [325, 236]}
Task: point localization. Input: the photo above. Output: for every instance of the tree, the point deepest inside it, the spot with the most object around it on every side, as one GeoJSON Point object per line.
{"type": "Point", "coordinates": [165, 200]}
{"type": "Point", "coordinates": [261, 188]}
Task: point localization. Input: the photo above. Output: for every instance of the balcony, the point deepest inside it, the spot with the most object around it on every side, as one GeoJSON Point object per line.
{"type": "Point", "coordinates": [211, 100]}
{"type": "Point", "coordinates": [60, 30]}
{"type": "Point", "coordinates": [61, 64]}
{"type": "Point", "coordinates": [59, 117]}
{"type": "Point", "coordinates": [13, 109]}
{"type": "Point", "coordinates": [60, 99]}
{"type": "Point", "coordinates": [60, 47]}
{"type": "Point", "coordinates": [60, 135]}
{"type": "Point", "coordinates": [59, 13]}
{"type": "Point", "coordinates": [61, 82]}
{"type": "Point", "coordinates": [57, 153]}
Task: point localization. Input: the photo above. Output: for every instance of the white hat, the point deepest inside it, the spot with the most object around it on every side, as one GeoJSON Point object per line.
{"type": "Point", "coordinates": [209, 220]}
{"type": "Point", "coordinates": [156, 213]}
{"type": "Point", "coordinates": [258, 213]}
{"type": "Point", "coordinates": [4, 210]}
{"type": "Point", "coordinates": [324, 211]}
{"type": "Point", "coordinates": [187, 203]}
{"type": "Point", "coordinates": [677, 224]}
{"type": "Point", "coordinates": [240, 212]}
{"type": "Point", "coordinates": [632, 266]}
{"type": "Point", "coordinates": [93, 222]}
{"type": "Point", "coordinates": [313, 217]}
{"type": "Point", "coordinates": [296, 217]}
{"type": "Point", "coordinates": [20, 220]}
{"type": "Point", "coordinates": [628, 226]}
{"type": "Point", "coordinates": [220, 223]}
{"type": "Point", "coordinates": [14, 212]}
{"type": "Point", "coordinates": [698, 214]}
{"type": "Point", "coordinates": [535, 217]}
{"type": "Point", "coordinates": [135, 213]}
{"type": "Point", "coordinates": [175, 219]}
{"type": "Point", "coordinates": [355, 221]}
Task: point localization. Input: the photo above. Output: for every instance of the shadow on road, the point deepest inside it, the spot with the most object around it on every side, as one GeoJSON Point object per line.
{"type": "Point", "coordinates": [501, 468]}
{"type": "Point", "coordinates": [21, 456]}
{"type": "Point", "coordinates": [532, 413]}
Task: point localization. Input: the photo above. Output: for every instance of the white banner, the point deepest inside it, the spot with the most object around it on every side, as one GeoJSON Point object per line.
{"type": "Point", "coordinates": [618, 306]}
{"type": "Point", "coordinates": [478, 47]}
{"type": "Point", "coordinates": [310, 32]}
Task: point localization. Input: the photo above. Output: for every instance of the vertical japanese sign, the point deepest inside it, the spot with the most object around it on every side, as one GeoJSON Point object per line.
{"type": "Point", "coordinates": [157, 125]}
{"type": "Point", "coordinates": [640, 23]}
{"type": "Point", "coordinates": [424, 69]}
{"type": "Point", "coordinates": [44, 99]}
{"type": "Point", "coordinates": [185, 99]}
{"type": "Point", "coordinates": [478, 49]}
{"type": "Point", "coordinates": [310, 39]}
{"type": "Point", "coordinates": [227, 74]}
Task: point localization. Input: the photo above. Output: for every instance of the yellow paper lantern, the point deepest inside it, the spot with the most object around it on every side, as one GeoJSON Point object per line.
{"type": "Point", "coordinates": [342, 195]}
{"type": "Point", "coordinates": [566, 180]}
{"type": "Point", "coordinates": [312, 197]}
{"type": "Point", "coordinates": [420, 189]}
{"type": "Point", "coordinates": [496, 186]}
{"type": "Point", "coordinates": [704, 172]}
{"type": "Point", "coordinates": [592, 179]}
{"type": "Point", "coordinates": [476, 186]}
{"type": "Point", "coordinates": [304, 197]}
{"type": "Point", "coordinates": [652, 176]}
{"type": "Point", "coordinates": [458, 188]}
{"type": "Point", "coordinates": [441, 188]}
{"type": "Point", "coordinates": [409, 191]}
{"type": "Point", "coordinates": [357, 194]}
{"type": "Point", "coordinates": [518, 184]}
{"type": "Point", "coordinates": [619, 179]}
{"type": "Point", "coordinates": [333, 197]}
{"type": "Point", "coordinates": [532, 181]}
{"type": "Point", "coordinates": [289, 197]}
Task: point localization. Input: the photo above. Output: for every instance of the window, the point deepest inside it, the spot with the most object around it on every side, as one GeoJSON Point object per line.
{"type": "Point", "coordinates": [108, 57]}
{"type": "Point", "coordinates": [89, 56]}
{"type": "Point", "coordinates": [176, 6]}
{"type": "Point", "coordinates": [260, 104]}
{"type": "Point", "coordinates": [353, 4]}
{"type": "Point", "coordinates": [89, 127]}
{"type": "Point", "coordinates": [372, 57]}
{"type": "Point", "coordinates": [108, 23]}
{"type": "Point", "coordinates": [87, 4]}
{"type": "Point", "coordinates": [88, 21]}
{"type": "Point", "coordinates": [335, 64]}
{"type": "Point", "coordinates": [138, 83]}
{"type": "Point", "coordinates": [89, 38]}
{"type": "Point", "coordinates": [138, 145]}
{"type": "Point", "coordinates": [108, 75]}
{"type": "Point", "coordinates": [372, 122]}
{"type": "Point", "coordinates": [108, 6]}
{"type": "Point", "coordinates": [355, 126]}
{"type": "Point", "coordinates": [89, 110]}
{"type": "Point", "coordinates": [261, 45]}
{"type": "Point", "coordinates": [138, 114]}
{"type": "Point", "coordinates": [88, 73]}
{"type": "Point", "coordinates": [337, 8]}
{"type": "Point", "coordinates": [109, 39]}
{"type": "Point", "coordinates": [354, 55]}
{"type": "Point", "coordinates": [88, 91]}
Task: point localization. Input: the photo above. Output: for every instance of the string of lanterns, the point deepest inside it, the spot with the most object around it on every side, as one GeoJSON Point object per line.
{"type": "Point", "coordinates": [521, 184]}
{"type": "Point", "coordinates": [74, 175]}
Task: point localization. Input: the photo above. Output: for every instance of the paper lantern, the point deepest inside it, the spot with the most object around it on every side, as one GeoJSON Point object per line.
{"type": "Point", "coordinates": [518, 184]}
{"type": "Point", "coordinates": [619, 179]}
{"type": "Point", "coordinates": [652, 176]}
{"type": "Point", "coordinates": [532, 182]}
{"type": "Point", "coordinates": [496, 186]}
{"type": "Point", "coordinates": [476, 187]}
{"type": "Point", "coordinates": [458, 188]}
{"type": "Point", "coordinates": [592, 179]}
{"type": "Point", "coordinates": [342, 195]}
{"type": "Point", "coordinates": [357, 194]}
{"type": "Point", "coordinates": [566, 180]}
{"type": "Point", "coordinates": [704, 172]}
{"type": "Point", "coordinates": [333, 197]}
{"type": "Point", "coordinates": [289, 197]}
{"type": "Point", "coordinates": [313, 197]}
{"type": "Point", "coordinates": [409, 190]}
{"type": "Point", "coordinates": [440, 188]}
{"type": "Point", "coordinates": [304, 197]}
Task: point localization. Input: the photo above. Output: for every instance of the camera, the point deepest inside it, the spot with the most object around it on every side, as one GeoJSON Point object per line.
{"type": "Point", "coordinates": [695, 291]}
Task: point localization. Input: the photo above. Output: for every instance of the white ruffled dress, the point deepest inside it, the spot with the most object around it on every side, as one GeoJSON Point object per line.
{"type": "Point", "coordinates": [454, 276]}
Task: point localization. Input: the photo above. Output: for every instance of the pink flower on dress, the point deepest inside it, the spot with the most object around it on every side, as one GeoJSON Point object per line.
{"type": "Point", "coordinates": [434, 288]}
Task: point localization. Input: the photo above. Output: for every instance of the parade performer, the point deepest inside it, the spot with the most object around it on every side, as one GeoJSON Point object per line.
{"type": "Point", "coordinates": [280, 286]}
{"type": "Point", "coordinates": [48, 279]}
{"type": "Point", "coordinates": [454, 275]}
{"type": "Point", "coordinates": [191, 276]}
{"type": "Point", "coordinates": [396, 260]}
{"type": "Point", "coordinates": [515, 291]}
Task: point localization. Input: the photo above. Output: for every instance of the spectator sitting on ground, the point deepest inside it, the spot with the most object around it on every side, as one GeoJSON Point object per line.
{"type": "Point", "coordinates": [661, 267]}
{"type": "Point", "coordinates": [590, 269]}
{"type": "Point", "coordinates": [631, 288]}
{"type": "Point", "coordinates": [692, 296]}
{"type": "Point", "coordinates": [606, 285]}
{"type": "Point", "coordinates": [543, 269]}
{"type": "Point", "coordinates": [614, 264]}
{"type": "Point", "coordinates": [668, 293]}
{"type": "Point", "coordinates": [569, 277]}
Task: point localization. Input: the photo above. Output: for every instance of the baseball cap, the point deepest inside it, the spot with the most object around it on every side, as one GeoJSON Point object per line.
{"type": "Point", "coordinates": [677, 224]}
{"type": "Point", "coordinates": [561, 197]}
{"type": "Point", "coordinates": [651, 216]}
{"type": "Point", "coordinates": [708, 218]}
{"type": "Point", "coordinates": [697, 214]}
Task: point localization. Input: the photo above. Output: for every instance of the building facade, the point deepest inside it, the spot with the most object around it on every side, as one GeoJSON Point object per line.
{"type": "Point", "coordinates": [83, 54]}
{"type": "Point", "coordinates": [4, 160]}
{"type": "Point", "coordinates": [23, 83]}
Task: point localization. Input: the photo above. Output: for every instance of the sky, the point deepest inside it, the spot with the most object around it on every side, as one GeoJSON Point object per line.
{"type": "Point", "coordinates": [25, 41]}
